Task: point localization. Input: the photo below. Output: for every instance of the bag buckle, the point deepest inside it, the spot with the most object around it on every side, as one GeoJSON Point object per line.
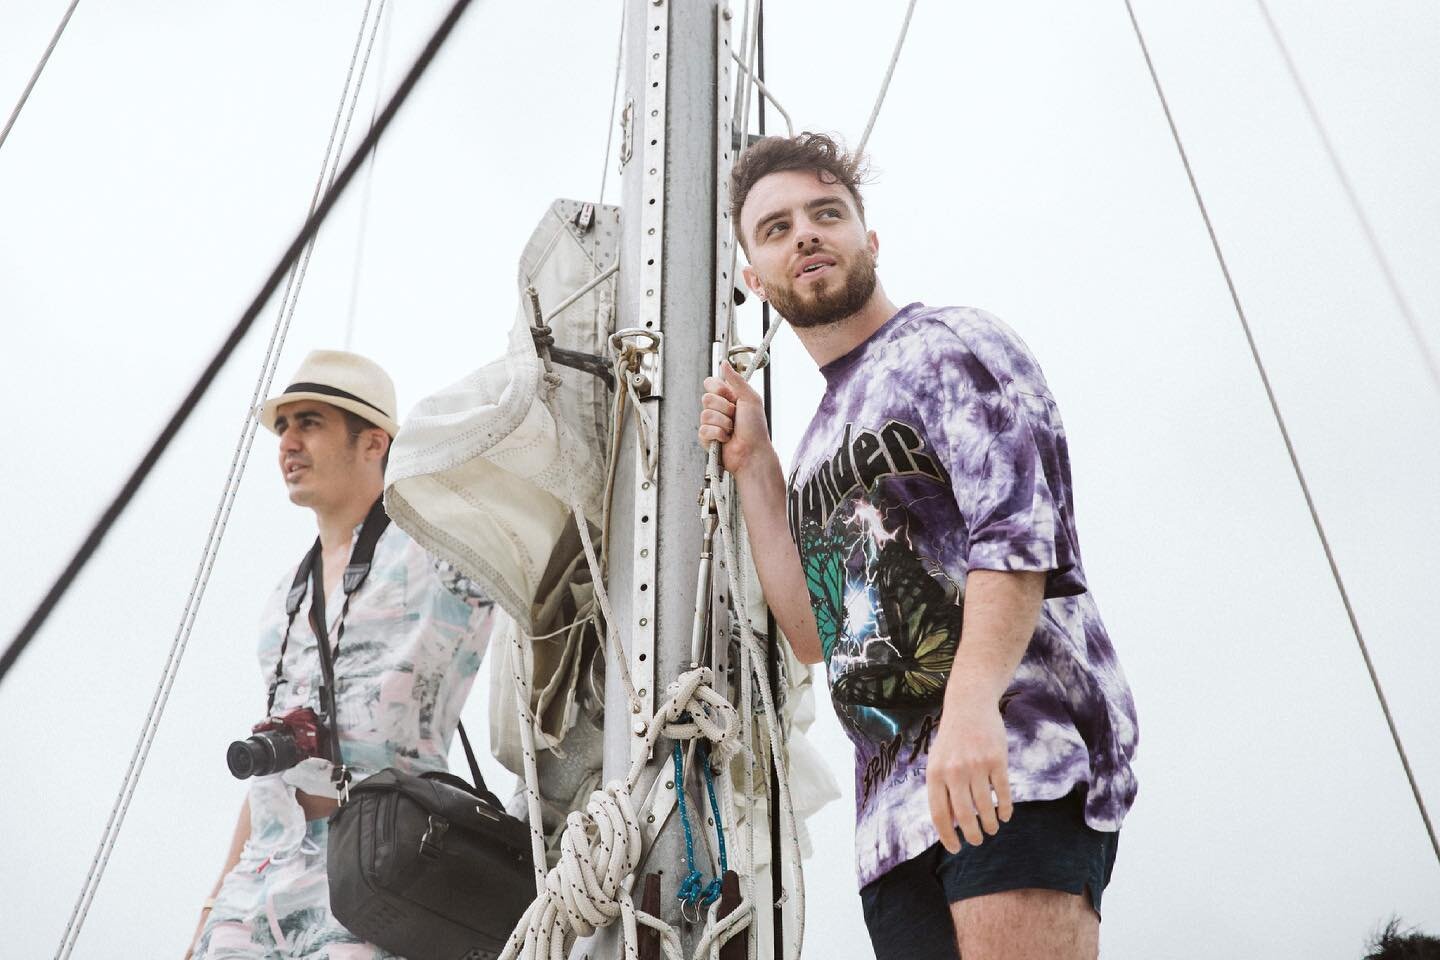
{"type": "Point", "coordinates": [433, 843]}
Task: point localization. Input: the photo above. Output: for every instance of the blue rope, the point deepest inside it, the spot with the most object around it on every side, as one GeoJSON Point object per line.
{"type": "Point", "coordinates": [714, 806]}
{"type": "Point", "coordinates": [693, 889]}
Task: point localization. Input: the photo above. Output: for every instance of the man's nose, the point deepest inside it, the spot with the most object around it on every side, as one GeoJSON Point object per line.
{"type": "Point", "coordinates": [806, 234]}
{"type": "Point", "coordinates": [289, 440]}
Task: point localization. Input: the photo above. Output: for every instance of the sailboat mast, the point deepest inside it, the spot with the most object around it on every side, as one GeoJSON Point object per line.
{"type": "Point", "coordinates": [668, 233]}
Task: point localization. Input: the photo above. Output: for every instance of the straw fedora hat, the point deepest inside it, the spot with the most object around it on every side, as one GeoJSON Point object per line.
{"type": "Point", "coordinates": [345, 380]}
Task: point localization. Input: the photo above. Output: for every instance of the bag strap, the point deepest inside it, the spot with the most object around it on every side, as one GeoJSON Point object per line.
{"type": "Point", "coordinates": [481, 790]}
{"type": "Point", "coordinates": [475, 776]}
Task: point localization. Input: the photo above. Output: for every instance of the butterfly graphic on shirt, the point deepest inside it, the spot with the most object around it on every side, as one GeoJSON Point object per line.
{"type": "Point", "coordinates": [822, 557]}
{"type": "Point", "coordinates": [907, 662]}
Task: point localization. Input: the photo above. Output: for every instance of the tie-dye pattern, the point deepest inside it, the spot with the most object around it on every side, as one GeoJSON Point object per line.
{"type": "Point", "coordinates": [414, 637]}
{"type": "Point", "coordinates": [937, 449]}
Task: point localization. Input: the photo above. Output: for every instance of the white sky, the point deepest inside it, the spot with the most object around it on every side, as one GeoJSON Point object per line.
{"type": "Point", "coordinates": [1024, 166]}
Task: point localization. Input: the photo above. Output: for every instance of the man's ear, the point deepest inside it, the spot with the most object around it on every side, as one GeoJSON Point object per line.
{"type": "Point", "coordinates": [377, 442]}
{"type": "Point", "coordinates": [873, 239]}
{"type": "Point", "coordinates": [752, 280]}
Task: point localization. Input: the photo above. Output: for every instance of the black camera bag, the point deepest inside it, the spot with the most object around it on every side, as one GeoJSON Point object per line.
{"type": "Point", "coordinates": [429, 867]}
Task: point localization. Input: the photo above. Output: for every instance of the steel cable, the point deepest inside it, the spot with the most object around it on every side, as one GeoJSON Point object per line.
{"type": "Point", "coordinates": [363, 230]}
{"type": "Point", "coordinates": [614, 98]}
{"type": "Point", "coordinates": [1285, 435]}
{"type": "Point", "coordinates": [242, 326]}
{"type": "Point", "coordinates": [1432, 366]}
{"type": "Point", "coordinates": [239, 460]}
{"type": "Point", "coordinates": [39, 67]}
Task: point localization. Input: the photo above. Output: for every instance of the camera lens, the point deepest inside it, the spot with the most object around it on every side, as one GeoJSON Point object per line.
{"type": "Point", "coordinates": [262, 754]}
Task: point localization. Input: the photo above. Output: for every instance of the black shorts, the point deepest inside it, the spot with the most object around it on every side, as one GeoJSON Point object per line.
{"type": "Point", "coordinates": [1046, 845]}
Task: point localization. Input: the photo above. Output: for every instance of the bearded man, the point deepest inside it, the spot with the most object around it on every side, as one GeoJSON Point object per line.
{"type": "Point", "coordinates": [933, 536]}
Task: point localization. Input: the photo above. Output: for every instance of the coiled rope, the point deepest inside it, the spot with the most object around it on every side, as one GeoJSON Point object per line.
{"type": "Point", "coordinates": [1285, 436]}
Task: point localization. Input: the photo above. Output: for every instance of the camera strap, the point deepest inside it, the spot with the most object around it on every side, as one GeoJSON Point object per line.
{"type": "Point", "coordinates": [310, 578]}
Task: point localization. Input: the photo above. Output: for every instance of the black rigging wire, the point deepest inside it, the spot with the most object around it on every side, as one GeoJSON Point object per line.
{"type": "Point", "coordinates": [1432, 366]}
{"type": "Point", "coordinates": [777, 889]}
{"type": "Point", "coordinates": [35, 75]}
{"type": "Point", "coordinates": [242, 326]}
{"type": "Point", "coordinates": [1285, 434]}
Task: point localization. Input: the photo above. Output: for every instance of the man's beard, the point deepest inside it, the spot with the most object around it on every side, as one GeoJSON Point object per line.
{"type": "Point", "coordinates": [827, 303]}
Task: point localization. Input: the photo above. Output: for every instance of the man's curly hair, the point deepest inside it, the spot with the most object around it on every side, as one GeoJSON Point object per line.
{"type": "Point", "coordinates": [808, 151]}
{"type": "Point", "coordinates": [1393, 943]}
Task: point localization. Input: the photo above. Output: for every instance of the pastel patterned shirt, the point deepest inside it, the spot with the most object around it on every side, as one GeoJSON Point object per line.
{"type": "Point", "coordinates": [937, 449]}
{"type": "Point", "coordinates": [414, 637]}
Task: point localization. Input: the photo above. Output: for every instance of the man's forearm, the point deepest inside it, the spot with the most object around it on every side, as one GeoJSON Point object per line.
{"type": "Point", "coordinates": [1001, 610]}
{"type": "Point", "coordinates": [777, 561]}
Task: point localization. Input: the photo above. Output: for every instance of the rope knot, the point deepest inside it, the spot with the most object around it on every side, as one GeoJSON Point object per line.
{"type": "Point", "coordinates": [694, 709]}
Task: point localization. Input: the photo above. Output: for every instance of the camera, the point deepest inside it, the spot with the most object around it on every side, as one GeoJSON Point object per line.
{"type": "Point", "coordinates": [277, 744]}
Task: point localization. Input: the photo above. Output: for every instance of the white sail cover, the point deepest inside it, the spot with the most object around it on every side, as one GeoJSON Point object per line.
{"type": "Point", "coordinates": [481, 474]}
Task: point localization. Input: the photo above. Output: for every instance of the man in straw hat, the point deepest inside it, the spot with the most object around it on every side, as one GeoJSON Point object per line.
{"type": "Point", "coordinates": [406, 646]}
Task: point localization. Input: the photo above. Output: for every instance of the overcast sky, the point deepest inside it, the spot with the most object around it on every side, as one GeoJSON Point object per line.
{"type": "Point", "coordinates": [1023, 166]}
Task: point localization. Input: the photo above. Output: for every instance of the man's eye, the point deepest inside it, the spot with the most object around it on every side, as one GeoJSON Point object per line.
{"type": "Point", "coordinates": [777, 227]}
{"type": "Point", "coordinates": [830, 212]}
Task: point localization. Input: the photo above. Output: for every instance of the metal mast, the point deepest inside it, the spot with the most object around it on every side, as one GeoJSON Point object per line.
{"type": "Point", "coordinates": [668, 238]}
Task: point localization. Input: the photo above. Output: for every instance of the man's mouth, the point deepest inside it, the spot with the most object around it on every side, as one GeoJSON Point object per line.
{"type": "Point", "coordinates": [810, 266]}
{"type": "Point", "coordinates": [292, 470]}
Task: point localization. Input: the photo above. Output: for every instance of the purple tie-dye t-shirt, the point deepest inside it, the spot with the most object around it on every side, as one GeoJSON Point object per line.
{"type": "Point", "coordinates": [937, 449]}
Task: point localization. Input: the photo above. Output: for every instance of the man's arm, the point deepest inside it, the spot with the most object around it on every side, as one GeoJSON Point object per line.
{"type": "Point", "coordinates": [237, 844]}
{"type": "Point", "coordinates": [969, 756]}
{"type": "Point", "coordinates": [733, 414]}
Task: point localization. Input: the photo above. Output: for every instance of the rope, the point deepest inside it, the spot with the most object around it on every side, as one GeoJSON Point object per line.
{"type": "Point", "coordinates": [614, 97]}
{"type": "Point", "coordinates": [602, 847]}
{"type": "Point", "coordinates": [1285, 435]}
{"type": "Point", "coordinates": [760, 84]}
{"type": "Point", "coordinates": [35, 75]}
{"type": "Point", "coordinates": [755, 664]}
{"type": "Point", "coordinates": [1432, 366]}
{"type": "Point", "coordinates": [885, 84]}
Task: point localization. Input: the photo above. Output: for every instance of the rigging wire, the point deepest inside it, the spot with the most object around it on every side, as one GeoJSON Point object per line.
{"type": "Point", "coordinates": [772, 642]}
{"type": "Point", "coordinates": [1285, 434]}
{"type": "Point", "coordinates": [1432, 366]}
{"type": "Point", "coordinates": [364, 227]}
{"type": "Point", "coordinates": [139, 756]}
{"type": "Point", "coordinates": [39, 67]}
{"type": "Point", "coordinates": [614, 98]}
{"type": "Point", "coordinates": [885, 84]}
